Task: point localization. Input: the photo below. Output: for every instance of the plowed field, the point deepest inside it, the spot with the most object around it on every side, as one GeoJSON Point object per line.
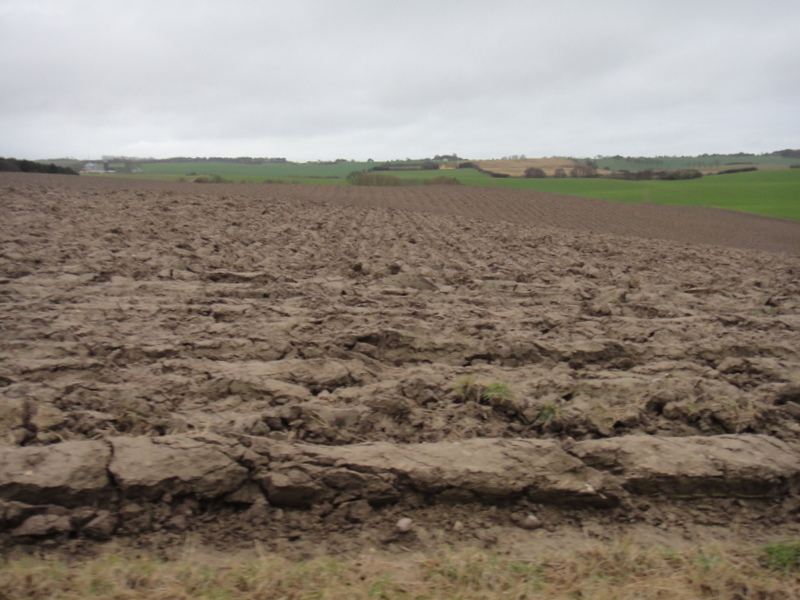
{"type": "Point", "coordinates": [329, 341]}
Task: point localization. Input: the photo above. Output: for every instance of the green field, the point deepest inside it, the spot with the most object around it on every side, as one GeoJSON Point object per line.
{"type": "Point", "coordinates": [772, 192]}
{"type": "Point", "coordinates": [254, 173]}
{"type": "Point", "coordinates": [715, 162]}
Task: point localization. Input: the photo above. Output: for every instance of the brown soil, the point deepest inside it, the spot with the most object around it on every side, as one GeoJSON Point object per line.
{"type": "Point", "coordinates": [289, 326]}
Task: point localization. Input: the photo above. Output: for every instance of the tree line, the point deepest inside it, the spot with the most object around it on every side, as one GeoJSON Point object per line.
{"type": "Point", "coordinates": [31, 166]}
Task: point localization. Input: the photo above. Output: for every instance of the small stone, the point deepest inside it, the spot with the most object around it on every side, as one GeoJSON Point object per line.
{"type": "Point", "coordinates": [458, 526]}
{"type": "Point", "coordinates": [405, 525]}
{"type": "Point", "coordinates": [530, 522]}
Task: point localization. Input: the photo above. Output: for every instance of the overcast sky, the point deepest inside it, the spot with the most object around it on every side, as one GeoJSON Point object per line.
{"type": "Point", "coordinates": [324, 79]}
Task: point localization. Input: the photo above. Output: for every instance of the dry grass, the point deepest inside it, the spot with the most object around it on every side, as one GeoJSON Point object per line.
{"type": "Point", "coordinates": [602, 572]}
{"type": "Point", "coordinates": [516, 168]}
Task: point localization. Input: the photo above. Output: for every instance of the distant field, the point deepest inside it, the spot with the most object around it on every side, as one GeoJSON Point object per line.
{"type": "Point", "coordinates": [517, 167]}
{"type": "Point", "coordinates": [773, 192]}
{"type": "Point", "coordinates": [705, 164]}
{"type": "Point", "coordinates": [251, 173]}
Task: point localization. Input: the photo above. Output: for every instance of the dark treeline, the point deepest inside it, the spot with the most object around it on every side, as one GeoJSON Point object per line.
{"type": "Point", "coordinates": [30, 166]}
{"type": "Point", "coordinates": [787, 153]}
{"type": "Point", "coordinates": [738, 170]}
{"type": "Point", "coordinates": [472, 165]}
{"type": "Point", "coordinates": [427, 165]}
{"type": "Point", "coordinates": [650, 174]}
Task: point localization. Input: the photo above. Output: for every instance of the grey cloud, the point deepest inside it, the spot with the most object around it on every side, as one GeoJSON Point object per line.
{"type": "Point", "coordinates": [356, 78]}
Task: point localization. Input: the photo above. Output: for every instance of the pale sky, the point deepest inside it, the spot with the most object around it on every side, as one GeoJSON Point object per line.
{"type": "Point", "coordinates": [358, 79]}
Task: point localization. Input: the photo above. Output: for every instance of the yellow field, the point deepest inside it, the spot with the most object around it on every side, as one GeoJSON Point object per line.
{"type": "Point", "coordinates": [516, 168]}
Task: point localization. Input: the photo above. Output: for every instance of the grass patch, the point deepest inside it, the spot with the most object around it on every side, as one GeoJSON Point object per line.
{"type": "Point", "coordinates": [496, 394]}
{"type": "Point", "coordinates": [615, 570]}
{"type": "Point", "coordinates": [548, 412]}
{"type": "Point", "coordinates": [783, 556]}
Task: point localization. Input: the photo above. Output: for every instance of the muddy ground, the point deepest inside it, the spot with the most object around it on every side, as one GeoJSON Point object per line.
{"type": "Point", "coordinates": [305, 367]}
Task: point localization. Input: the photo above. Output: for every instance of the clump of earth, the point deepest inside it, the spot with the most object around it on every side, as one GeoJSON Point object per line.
{"type": "Point", "coordinates": [333, 368]}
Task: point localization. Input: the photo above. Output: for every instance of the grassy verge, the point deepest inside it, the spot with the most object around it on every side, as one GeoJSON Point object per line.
{"type": "Point", "coordinates": [602, 572]}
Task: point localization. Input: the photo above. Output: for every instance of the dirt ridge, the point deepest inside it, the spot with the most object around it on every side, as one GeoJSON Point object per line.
{"type": "Point", "coordinates": [75, 483]}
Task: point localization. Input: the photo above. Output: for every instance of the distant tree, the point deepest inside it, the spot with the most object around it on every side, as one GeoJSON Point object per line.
{"type": "Point", "coordinates": [9, 164]}
{"type": "Point", "coordinates": [31, 166]}
{"type": "Point", "coordinates": [583, 171]}
{"type": "Point", "coordinates": [535, 173]}
{"type": "Point", "coordinates": [788, 153]}
{"type": "Point", "coordinates": [681, 174]}
{"type": "Point", "coordinates": [739, 170]}
{"type": "Point", "coordinates": [560, 173]}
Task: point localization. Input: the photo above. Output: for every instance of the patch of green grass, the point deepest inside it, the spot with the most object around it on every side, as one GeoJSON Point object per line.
{"type": "Point", "coordinates": [547, 413]}
{"type": "Point", "coordinates": [783, 556]}
{"type": "Point", "coordinates": [497, 392]}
